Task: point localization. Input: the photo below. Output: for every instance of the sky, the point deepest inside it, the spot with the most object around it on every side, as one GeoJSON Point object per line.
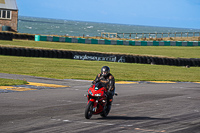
{"type": "Point", "coordinates": [162, 13]}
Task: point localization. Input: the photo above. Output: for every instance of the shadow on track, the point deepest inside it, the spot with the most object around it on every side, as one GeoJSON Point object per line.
{"type": "Point", "coordinates": [132, 118]}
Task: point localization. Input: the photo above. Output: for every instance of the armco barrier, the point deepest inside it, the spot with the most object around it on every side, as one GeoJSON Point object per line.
{"type": "Point", "coordinates": [30, 52]}
{"type": "Point", "coordinates": [116, 42]}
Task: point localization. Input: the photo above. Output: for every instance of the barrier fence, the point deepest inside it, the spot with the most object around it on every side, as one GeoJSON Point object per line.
{"type": "Point", "coordinates": [10, 36]}
{"type": "Point", "coordinates": [31, 52]}
{"type": "Point", "coordinates": [116, 42]}
{"type": "Point", "coordinates": [6, 36]}
{"type": "Point", "coordinates": [149, 35]}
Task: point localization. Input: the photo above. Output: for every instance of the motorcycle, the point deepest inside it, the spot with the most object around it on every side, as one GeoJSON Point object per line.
{"type": "Point", "coordinates": [97, 101]}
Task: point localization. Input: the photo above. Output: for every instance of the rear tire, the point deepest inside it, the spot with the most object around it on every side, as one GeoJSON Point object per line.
{"type": "Point", "coordinates": [106, 111]}
{"type": "Point", "coordinates": [88, 110]}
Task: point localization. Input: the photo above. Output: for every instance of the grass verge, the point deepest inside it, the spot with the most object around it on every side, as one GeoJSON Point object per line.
{"type": "Point", "coordinates": [10, 82]}
{"type": "Point", "coordinates": [78, 69]}
{"type": "Point", "coordinates": [163, 51]}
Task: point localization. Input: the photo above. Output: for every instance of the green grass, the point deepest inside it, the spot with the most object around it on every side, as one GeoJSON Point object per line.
{"type": "Point", "coordinates": [166, 51]}
{"type": "Point", "coordinates": [78, 69]}
{"type": "Point", "coordinates": [9, 82]}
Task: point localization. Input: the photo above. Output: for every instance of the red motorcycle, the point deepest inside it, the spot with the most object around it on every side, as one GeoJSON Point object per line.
{"type": "Point", "coordinates": [97, 101]}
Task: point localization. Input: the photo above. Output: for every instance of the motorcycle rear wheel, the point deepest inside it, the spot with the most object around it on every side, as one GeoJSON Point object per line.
{"type": "Point", "coordinates": [89, 110]}
{"type": "Point", "coordinates": [106, 111]}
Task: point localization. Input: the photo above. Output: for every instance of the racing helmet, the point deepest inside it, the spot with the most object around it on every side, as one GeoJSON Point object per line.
{"type": "Point", "coordinates": [105, 70]}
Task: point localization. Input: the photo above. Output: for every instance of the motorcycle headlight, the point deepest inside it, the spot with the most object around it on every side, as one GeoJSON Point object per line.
{"type": "Point", "coordinates": [97, 95]}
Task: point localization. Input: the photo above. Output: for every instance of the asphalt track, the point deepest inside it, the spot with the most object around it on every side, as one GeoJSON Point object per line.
{"type": "Point", "coordinates": [140, 107]}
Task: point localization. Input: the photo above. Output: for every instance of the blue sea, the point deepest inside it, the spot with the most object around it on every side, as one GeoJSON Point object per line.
{"type": "Point", "coordinates": [47, 26]}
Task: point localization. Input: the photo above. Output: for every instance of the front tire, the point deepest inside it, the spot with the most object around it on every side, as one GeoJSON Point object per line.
{"type": "Point", "coordinates": [89, 110]}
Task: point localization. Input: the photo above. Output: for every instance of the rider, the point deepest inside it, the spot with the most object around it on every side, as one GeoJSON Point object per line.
{"type": "Point", "coordinates": [107, 79]}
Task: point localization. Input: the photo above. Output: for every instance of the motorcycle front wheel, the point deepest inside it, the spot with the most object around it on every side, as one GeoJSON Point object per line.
{"type": "Point", "coordinates": [89, 110]}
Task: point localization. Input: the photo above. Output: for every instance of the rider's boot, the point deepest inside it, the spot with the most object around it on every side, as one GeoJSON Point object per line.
{"type": "Point", "coordinates": [109, 104]}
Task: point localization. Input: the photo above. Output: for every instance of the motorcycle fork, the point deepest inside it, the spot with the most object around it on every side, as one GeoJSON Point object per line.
{"type": "Point", "coordinates": [95, 104]}
{"type": "Point", "coordinates": [95, 107]}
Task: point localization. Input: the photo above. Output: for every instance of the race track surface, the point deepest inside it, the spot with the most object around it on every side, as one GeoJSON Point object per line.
{"type": "Point", "coordinates": [142, 107]}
